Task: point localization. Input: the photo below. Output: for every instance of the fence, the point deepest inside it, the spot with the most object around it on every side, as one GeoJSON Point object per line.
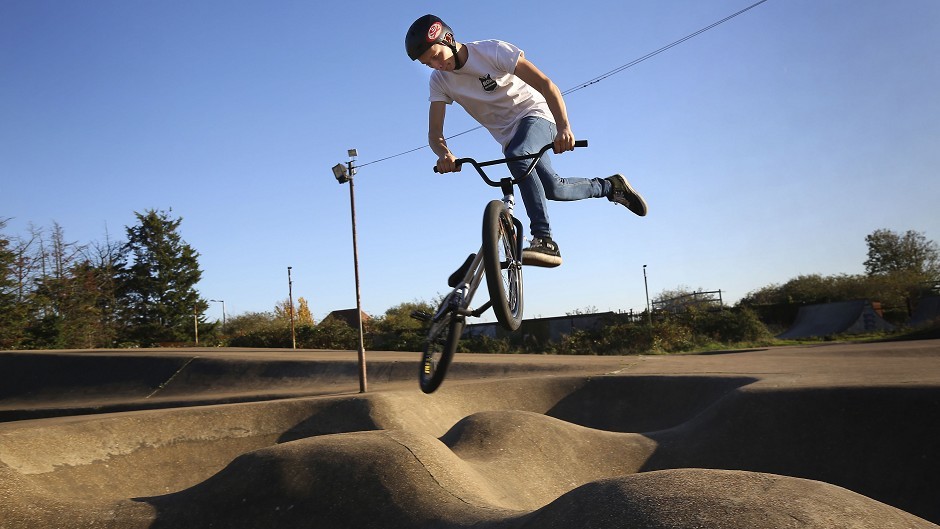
{"type": "Point", "coordinates": [705, 299]}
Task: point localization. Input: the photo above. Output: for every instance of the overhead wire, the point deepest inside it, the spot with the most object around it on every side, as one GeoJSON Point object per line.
{"type": "Point", "coordinates": [601, 77]}
{"type": "Point", "coordinates": [660, 50]}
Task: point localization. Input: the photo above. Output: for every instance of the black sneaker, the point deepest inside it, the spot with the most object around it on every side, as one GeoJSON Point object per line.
{"type": "Point", "coordinates": [542, 251]}
{"type": "Point", "coordinates": [622, 193]}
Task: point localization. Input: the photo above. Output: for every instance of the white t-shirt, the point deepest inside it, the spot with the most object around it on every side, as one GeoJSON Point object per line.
{"type": "Point", "coordinates": [487, 89]}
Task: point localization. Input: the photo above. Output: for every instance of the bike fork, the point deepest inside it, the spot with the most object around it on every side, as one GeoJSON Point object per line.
{"type": "Point", "coordinates": [509, 200]}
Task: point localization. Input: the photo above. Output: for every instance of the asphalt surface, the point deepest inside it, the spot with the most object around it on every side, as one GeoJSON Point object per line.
{"type": "Point", "coordinates": [838, 435]}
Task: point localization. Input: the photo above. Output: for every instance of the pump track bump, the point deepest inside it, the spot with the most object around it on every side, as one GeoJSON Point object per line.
{"type": "Point", "coordinates": [838, 435]}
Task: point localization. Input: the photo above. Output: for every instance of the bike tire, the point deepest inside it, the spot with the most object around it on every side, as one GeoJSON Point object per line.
{"type": "Point", "coordinates": [439, 350]}
{"type": "Point", "coordinates": [501, 264]}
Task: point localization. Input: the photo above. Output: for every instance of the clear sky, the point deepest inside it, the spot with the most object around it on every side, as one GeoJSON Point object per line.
{"type": "Point", "coordinates": [767, 147]}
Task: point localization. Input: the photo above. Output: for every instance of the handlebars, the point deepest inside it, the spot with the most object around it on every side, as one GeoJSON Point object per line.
{"type": "Point", "coordinates": [534, 157]}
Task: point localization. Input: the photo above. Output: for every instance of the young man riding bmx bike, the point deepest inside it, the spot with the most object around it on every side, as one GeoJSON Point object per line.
{"type": "Point", "coordinates": [523, 110]}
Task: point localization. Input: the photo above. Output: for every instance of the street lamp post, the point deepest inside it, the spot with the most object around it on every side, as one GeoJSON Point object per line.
{"type": "Point", "coordinates": [649, 314]}
{"type": "Point", "coordinates": [290, 302]}
{"type": "Point", "coordinates": [344, 174]}
{"type": "Point", "coordinates": [222, 301]}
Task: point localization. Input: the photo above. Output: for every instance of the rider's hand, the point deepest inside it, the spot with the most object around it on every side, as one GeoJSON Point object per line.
{"type": "Point", "coordinates": [447, 164]}
{"type": "Point", "coordinates": [564, 141]}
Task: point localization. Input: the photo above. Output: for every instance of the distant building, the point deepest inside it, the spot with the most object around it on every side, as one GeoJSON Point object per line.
{"type": "Point", "coordinates": [347, 316]}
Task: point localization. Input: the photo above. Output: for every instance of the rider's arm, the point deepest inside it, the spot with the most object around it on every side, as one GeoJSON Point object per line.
{"type": "Point", "coordinates": [445, 158]}
{"type": "Point", "coordinates": [564, 137]}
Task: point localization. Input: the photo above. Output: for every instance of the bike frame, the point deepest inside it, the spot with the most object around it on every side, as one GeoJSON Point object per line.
{"type": "Point", "coordinates": [462, 294]}
{"type": "Point", "coordinates": [500, 256]}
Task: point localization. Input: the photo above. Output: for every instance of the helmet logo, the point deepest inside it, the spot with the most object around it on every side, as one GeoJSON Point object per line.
{"type": "Point", "coordinates": [434, 32]}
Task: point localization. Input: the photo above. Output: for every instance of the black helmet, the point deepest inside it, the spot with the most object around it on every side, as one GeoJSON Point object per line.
{"type": "Point", "coordinates": [424, 33]}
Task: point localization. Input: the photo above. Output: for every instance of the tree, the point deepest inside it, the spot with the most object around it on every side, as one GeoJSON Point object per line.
{"type": "Point", "coordinates": [304, 316]}
{"type": "Point", "coordinates": [25, 265]}
{"type": "Point", "coordinates": [79, 317]}
{"type": "Point", "coordinates": [157, 294]}
{"type": "Point", "coordinates": [397, 330]}
{"type": "Point", "coordinates": [11, 314]}
{"type": "Point", "coordinates": [100, 268]}
{"type": "Point", "coordinates": [54, 304]}
{"type": "Point", "coordinates": [301, 312]}
{"type": "Point", "coordinates": [890, 252]}
{"type": "Point", "coordinates": [906, 266]}
{"type": "Point", "coordinates": [283, 311]}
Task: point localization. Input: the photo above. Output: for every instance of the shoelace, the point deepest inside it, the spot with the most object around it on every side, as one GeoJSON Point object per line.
{"type": "Point", "coordinates": [537, 242]}
{"type": "Point", "coordinates": [540, 243]}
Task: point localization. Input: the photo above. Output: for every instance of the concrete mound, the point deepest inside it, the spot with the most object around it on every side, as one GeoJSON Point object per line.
{"type": "Point", "coordinates": [808, 437]}
{"type": "Point", "coordinates": [53, 384]}
{"type": "Point", "coordinates": [830, 319]}
{"type": "Point", "coordinates": [873, 440]}
{"type": "Point", "coordinates": [718, 499]}
{"type": "Point", "coordinates": [374, 479]}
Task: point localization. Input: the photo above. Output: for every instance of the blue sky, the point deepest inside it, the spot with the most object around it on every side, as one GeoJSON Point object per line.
{"type": "Point", "coordinates": [767, 147]}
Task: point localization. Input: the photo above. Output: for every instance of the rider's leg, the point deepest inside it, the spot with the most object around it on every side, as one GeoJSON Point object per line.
{"type": "Point", "coordinates": [534, 133]}
{"type": "Point", "coordinates": [531, 135]}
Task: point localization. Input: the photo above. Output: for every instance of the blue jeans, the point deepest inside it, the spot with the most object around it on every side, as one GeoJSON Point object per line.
{"type": "Point", "coordinates": [544, 184]}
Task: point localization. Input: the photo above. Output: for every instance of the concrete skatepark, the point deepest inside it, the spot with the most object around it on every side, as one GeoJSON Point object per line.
{"type": "Point", "coordinates": [834, 435]}
{"type": "Point", "coordinates": [839, 317]}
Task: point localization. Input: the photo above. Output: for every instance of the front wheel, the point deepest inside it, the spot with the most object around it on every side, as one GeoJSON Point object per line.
{"type": "Point", "coordinates": [502, 264]}
{"type": "Point", "coordinates": [443, 337]}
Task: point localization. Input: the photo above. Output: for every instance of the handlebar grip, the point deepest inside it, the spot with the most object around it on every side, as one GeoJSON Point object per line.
{"type": "Point", "coordinates": [460, 162]}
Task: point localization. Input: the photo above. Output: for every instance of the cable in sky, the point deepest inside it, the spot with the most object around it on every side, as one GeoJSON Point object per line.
{"type": "Point", "coordinates": [660, 50]}
{"type": "Point", "coordinates": [601, 77]}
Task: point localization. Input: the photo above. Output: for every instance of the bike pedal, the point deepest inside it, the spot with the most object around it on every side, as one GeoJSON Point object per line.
{"type": "Point", "coordinates": [421, 315]}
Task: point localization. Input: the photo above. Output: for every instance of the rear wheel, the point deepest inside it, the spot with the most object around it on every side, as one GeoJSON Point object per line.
{"type": "Point", "coordinates": [502, 265]}
{"type": "Point", "coordinates": [439, 349]}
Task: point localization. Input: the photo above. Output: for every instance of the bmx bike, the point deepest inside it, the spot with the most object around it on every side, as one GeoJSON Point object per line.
{"type": "Point", "coordinates": [499, 259]}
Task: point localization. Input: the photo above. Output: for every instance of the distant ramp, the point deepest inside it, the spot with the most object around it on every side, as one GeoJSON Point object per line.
{"type": "Point", "coordinates": [841, 317]}
{"type": "Point", "coordinates": [927, 312]}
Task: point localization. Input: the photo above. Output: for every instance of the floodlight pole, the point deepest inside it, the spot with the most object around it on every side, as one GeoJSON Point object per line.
{"type": "Point", "coordinates": [649, 314]}
{"type": "Point", "coordinates": [363, 385]}
{"type": "Point", "coordinates": [290, 301]}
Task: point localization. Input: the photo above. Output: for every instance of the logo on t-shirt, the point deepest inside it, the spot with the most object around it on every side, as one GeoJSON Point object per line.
{"type": "Point", "coordinates": [488, 83]}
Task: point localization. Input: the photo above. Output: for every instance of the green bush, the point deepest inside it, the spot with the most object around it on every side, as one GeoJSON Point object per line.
{"type": "Point", "coordinates": [271, 337]}
{"type": "Point", "coordinates": [729, 326]}
{"type": "Point", "coordinates": [481, 344]}
{"type": "Point", "coordinates": [693, 330]}
{"type": "Point", "coordinates": [579, 342]}
{"type": "Point", "coordinates": [328, 334]}
{"type": "Point", "coordinates": [672, 336]}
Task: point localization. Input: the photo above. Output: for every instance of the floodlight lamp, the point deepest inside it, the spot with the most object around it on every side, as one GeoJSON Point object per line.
{"type": "Point", "coordinates": [340, 173]}
{"type": "Point", "coordinates": [352, 153]}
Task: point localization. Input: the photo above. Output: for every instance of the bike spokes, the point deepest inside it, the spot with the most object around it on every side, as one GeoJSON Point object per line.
{"type": "Point", "coordinates": [443, 337]}
{"type": "Point", "coordinates": [502, 266]}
